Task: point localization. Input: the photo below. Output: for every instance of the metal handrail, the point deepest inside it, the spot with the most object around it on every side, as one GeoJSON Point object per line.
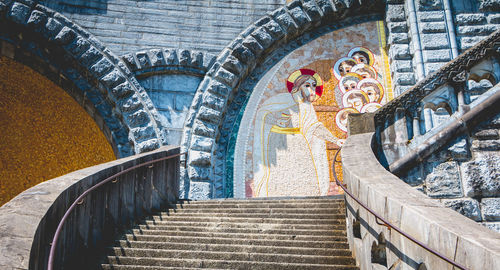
{"type": "Point", "coordinates": [387, 223]}
{"type": "Point", "coordinates": [80, 198]}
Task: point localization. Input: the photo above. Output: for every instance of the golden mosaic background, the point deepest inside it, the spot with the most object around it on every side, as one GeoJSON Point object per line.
{"type": "Point", "coordinates": [44, 132]}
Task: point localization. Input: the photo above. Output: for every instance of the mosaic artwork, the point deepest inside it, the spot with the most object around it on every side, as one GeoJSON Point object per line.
{"type": "Point", "coordinates": [296, 117]}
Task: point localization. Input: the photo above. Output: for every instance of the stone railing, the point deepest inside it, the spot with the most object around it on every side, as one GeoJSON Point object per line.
{"type": "Point", "coordinates": [439, 108]}
{"type": "Point", "coordinates": [442, 229]}
{"type": "Point", "coordinates": [28, 222]}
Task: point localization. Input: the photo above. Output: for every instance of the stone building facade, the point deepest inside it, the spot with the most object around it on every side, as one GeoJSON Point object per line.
{"type": "Point", "coordinates": [152, 73]}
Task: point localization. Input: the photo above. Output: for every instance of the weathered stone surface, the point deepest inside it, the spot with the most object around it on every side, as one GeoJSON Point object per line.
{"type": "Point", "coordinates": [37, 19]}
{"type": "Point", "coordinates": [466, 207]}
{"type": "Point", "coordinates": [199, 173]}
{"type": "Point", "coordinates": [494, 226]}
{"type": "Point", "coordinates": [485, 145]}
{"type": "Point", "coordinates": [226, 77]}
{"type": "Point", "coordinates": [429, 5]}
{"type": "Point", "coordinates": [404, 78]}
{"type": "Point", "coordinates": [476, 30]}
{"type": "Point", "coordinates": [202, 143]}
{"type": "Point", "coordinates": [143, 59]}
{"type": "Point", "coordinates": [213, 101]}
{"type": "Point", "coordinates": [458, 149]}
{"type": "Point", "coordinates": [218, 89]}
{"type": "Point", "coordinates": [494, 18]}
{"type": "Point", "coordinates": [113, 79]}
{"type": "Point", "coordinates": [130, 103]}
{"type": "Point", "coordinates": [481, 176]}
{"type": "Point", "coordinates": [233, 64]}
{"type": "Point", "coordinates": [19, 12]}
{"type": "Point", "coordinates": [443, 180]}
{"type": "Point", "coordinates": [274, 29]}
{"type": "Point", "coordinates": [252, 43]}
{"type": "Point", "coordinates": [200, 190]}
{"type": "Point", "coordinates": [65, 36]}
{"type": "Point", "coordinates": [147, 146]}
{"type": "Point", "coordinates": [400, 52]}
{"type": "Point", "coordinates": [431, 16]}
{"type": "Point", "coordinates": [204, 129]}
{"type": "Point", "coordinates": [490, 5]}
{"type": "Point", "coordinates": [90, 56]}
{"type": "Point", "coordinates": [398, 27]}
{"type": "Point", "coordinates": [286, 21]}
{"type": "Point", "coordinates": [299, 17]}
{"type": "Point", "coordinates": [243, 54]}
{"type": "Point", "coordinates": [78, 46]}
{"type": "Point", "coordinates": [487, 134]}
{"type": "Point", "coordinates": [490, 207]}
{"type": "Point", "coordinates": [209, 115]}
{"type": "Point", "coordinates": [433, 27]}
{"type": "Point", "coordinates": [396, 13]}
{"type": "Point", "coordinates": [138, 118]}
{"type": "Point", "coordinates": [52, 27]}
{"type": "Point", "coordinates": [102, 67]}
{"type": "Point", "coordinates": [199, 158]}
{"type": "Point", "coordinates": [171, 57]}
{"type": "Point", "coordinates": [403, 66]}
{"type": "Point", "coordinates": [122, 90]}
{"type": "Point", "coordinates": [472, 18]}
{"type": "Point", "coordinates": [431, 67]}
{"type": "Point", "coordinates": [399, 38]}
{"type": "Point", "coordinates": [264, 38]}
{"type": "Point", "coordinates": [468, 42]}
{"type": "Point", "coordinates": [437, 56]}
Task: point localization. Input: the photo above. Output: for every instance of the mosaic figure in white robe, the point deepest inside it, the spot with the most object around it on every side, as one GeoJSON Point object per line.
{"type": "Point", "coordinates": [290, 156]}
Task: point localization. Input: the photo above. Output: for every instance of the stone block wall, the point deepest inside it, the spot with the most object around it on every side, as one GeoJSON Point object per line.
{"type": "Point", "coordinates": [464, 175]}
{"type": "Point", "coordinates": [128, 26]}
{"type": "Point", "coordinates": [474, 20]}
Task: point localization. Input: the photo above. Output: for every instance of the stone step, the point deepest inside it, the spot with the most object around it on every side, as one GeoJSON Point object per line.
{"type": "Point", "coordinates": [231, 256]}
{"type": "Point", "coordinates": [332, 221]}
{"type": "Point", "coordinates": [244, 225]}
{"type": "Point", "coordinates": [174, 262]}
{"type": "Point", "coordinates": [260, 205]}
{"type": "Point", "coordinates": [326, 210]}
{"type": "Point", "coordinates": [251, 215]}
{"type": "Point", "coordinates": [300, 200]}
{"type": "Point", "coordinates": [325, 237]}
{"type": "Point", "coordinates": [226, 228]}
{"type": "Point", "coordinates": [145, 267]}
{"type": "Point", "coordinates": [236, 241]}
{"type": "Point", "coordinates": [339, 249]}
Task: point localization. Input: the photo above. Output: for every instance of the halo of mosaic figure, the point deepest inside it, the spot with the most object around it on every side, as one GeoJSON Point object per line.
{"type": "Point", "coordinates": [359, 89]}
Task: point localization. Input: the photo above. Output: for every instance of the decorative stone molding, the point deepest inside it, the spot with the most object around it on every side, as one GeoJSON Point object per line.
{"type": "Point", "coordinates": [453, 70]}
{"type": "Point", "coordinates": [168, 60]}
{"type": "Point", "coordinates": [94, 69]}
{"type": "Point", "coordinates": [233, 66]}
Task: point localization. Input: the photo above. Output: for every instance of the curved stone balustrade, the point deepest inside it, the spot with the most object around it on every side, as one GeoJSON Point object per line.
{"type": "Point", "coordinates": [417, 116]}
{"type": "Point", "coordinates": [28, 222]}
{"type": "Point", "coordinates": [376, 247]}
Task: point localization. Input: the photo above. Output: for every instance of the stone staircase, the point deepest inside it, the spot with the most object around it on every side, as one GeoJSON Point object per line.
{"type": "Point", "coordinates": [292, 233]}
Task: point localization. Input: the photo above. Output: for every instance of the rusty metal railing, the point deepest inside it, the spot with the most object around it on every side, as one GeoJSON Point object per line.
{"type": "Point", "coordinates": [386, 223]}
{"type": "Point", "coordinates": [80, 198]}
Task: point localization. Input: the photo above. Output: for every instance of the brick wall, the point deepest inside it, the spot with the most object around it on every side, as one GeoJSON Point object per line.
{"type": "Point", "coordinates": [128, 25]}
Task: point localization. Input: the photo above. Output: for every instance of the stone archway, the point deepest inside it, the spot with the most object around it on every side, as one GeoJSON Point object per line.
{"type": "Point", "coordinates": [204, 177]}
{"type": "Point", "coordinates": [98, 80]}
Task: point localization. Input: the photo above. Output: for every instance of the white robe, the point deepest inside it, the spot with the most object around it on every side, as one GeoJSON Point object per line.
{"type": "Point", "coordinates": [289, 153]}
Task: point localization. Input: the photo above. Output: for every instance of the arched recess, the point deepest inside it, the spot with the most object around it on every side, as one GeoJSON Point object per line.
{"type": "Point", "coordinates": [223, 91]}
{"type": "Point", "coordinates": [75, 60]}
{"type": "Point", "coordinates": [170, 77]}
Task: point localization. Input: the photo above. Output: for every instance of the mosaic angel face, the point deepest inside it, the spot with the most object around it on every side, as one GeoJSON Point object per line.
{"type": "Point", "coordinates": [361, 58]}
{"type": "Point", "coordinates": [372, 88]}
{"type": "Point", "coordinates": [355, 99]}
{"type": "Point", "coordinates": [365, 71]}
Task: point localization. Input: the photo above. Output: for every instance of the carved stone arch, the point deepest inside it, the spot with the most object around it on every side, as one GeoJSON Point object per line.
{"type": "Point", "coordinates": [204, 176]}
{"type": "Point", "coordinates": [75, 60]}
{"type": "Point", "coordinates": [169, 60]}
